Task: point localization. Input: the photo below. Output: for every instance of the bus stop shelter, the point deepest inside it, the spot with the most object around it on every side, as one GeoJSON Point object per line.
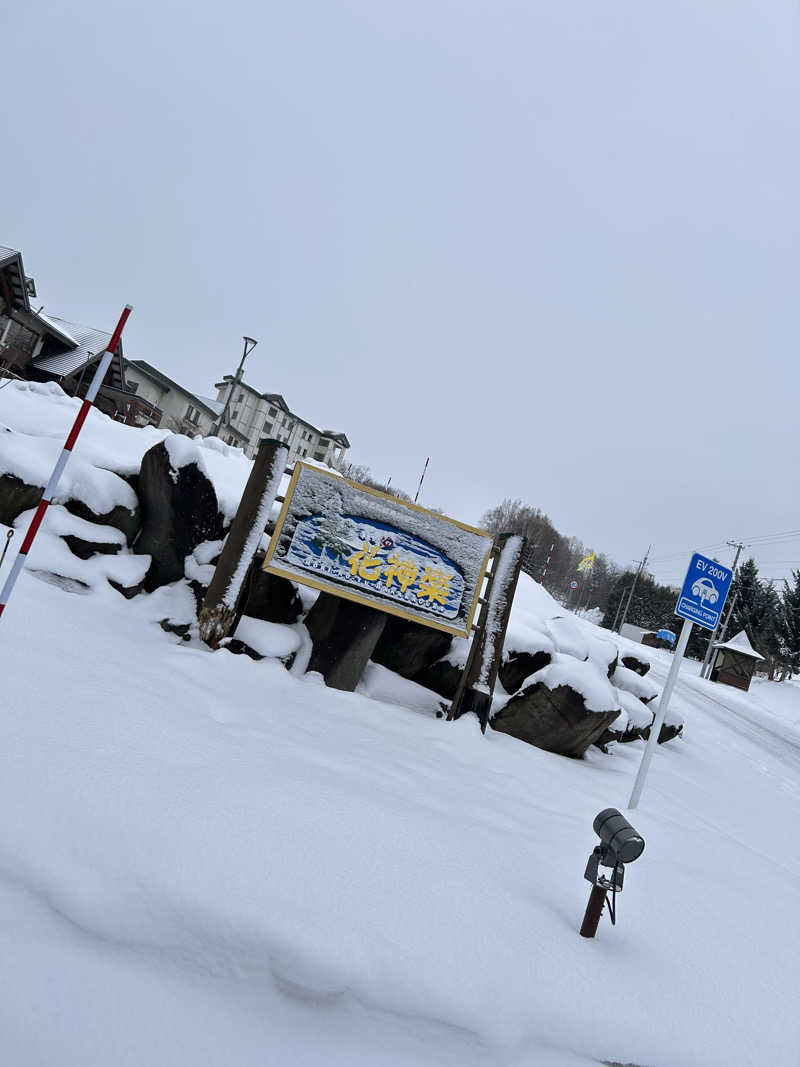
{"type": "Point", "coordinates": [734, 661]}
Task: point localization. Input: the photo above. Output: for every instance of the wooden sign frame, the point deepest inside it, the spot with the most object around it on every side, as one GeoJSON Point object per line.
{"type": "Point", "coordinates": [385, 604]}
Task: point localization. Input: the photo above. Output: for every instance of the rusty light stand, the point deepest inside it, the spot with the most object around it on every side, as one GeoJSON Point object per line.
{"type": "Point", "coordinates": [619, 844]}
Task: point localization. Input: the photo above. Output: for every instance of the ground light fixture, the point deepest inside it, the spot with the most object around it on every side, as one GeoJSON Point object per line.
{"type": "Point", "coordinates": [619, 844]}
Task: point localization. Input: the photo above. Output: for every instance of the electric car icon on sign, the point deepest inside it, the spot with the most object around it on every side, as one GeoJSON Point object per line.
{"type": "Point", "coordinates": [705, 590]}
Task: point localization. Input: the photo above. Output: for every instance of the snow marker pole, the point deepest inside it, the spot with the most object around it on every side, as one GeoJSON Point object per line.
{"type": "Point", "coordinates": [658, 722]}
{"type": "Point", "coordinates": [422, 479]}
{"type": "Point", "coordinates": [66, 452]}
{"type": "Point", "coordinates": [547, 562]}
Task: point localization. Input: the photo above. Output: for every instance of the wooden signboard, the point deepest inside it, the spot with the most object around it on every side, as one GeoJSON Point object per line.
{"type": "Point", "coordinates": [369, 547]}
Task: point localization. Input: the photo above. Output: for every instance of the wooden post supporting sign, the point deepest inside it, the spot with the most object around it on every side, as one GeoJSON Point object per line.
{"type": "Point", "coordinates": [218, 612]}
{"type": "Point", "coordinates": [486, 651]}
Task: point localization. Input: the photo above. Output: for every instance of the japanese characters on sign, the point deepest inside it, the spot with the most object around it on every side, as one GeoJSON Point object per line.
{"type": "Point", "coordinates": [364, 545]}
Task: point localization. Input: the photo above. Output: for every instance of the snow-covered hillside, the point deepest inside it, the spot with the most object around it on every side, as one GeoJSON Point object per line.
{"type": "Point", "coordinates": [206, 859]}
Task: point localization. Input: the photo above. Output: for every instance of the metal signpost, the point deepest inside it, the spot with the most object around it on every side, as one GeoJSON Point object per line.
{"type": "Point", "coordinates": [701, 600]}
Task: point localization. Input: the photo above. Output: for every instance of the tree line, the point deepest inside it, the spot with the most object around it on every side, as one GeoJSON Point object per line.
{"type": "Point", "coordinates": [769, 615]}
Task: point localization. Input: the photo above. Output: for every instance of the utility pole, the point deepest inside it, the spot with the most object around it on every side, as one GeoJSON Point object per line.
{"type": "Point", "coordinates": [249, 345]}
{"type": "Point", "coordinates": [616, 614]}
{"type": "Point", "coordinates": [636, 578]}
{"type": "Point", "coordinates": [705, 669]}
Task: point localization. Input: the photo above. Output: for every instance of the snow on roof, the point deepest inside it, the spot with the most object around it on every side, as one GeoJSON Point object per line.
{"type": "Point", "coordinates": [55, 326]}
{"type": "Point", "coordinates": [7, 254]}
{"type": "Point", "coordinates": [89, 342]}
{"type": "Point", "coordinates": [740, 643]}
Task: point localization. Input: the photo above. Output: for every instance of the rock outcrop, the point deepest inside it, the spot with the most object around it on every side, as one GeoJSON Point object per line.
{"type": "Point", "coordinates": [408, 648]}
{"type": "Point", "coordinates": [556, 719]}
{"type": "Point", "coordinates": [344, 636]}
{"type": "Point", "coordinates": [16, 497]}
{"type": "Point", "coordinates": [179, 511]}
{"type": "Point", "coordinates": [519, 665]}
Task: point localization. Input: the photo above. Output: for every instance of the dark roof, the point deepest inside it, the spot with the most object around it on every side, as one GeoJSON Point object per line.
{"type": "Point", "coordinates": [276, 398]}
{"type": "Point", "coordinates": [12, 280]}
{"type": "Point", "coordinates": [84, 343]}
{"type": "Point", "coordinates": [335, 436]}
{"type": "Point", "coordinates": [162, 379]}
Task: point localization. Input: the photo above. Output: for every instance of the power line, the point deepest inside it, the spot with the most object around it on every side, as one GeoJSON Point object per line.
{"type": "Point", "coordinates": [758, 540]}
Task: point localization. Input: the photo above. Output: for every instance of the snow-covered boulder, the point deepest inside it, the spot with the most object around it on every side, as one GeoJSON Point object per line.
{"type": "Point", "coordinates": [568, 637]}
{"type": "Point", "coordinates": [632, 723]}
{"type": "Point", "coordinates": [564, 709]}
{"type": "Point", "coordinates": [602, 653]}
{"type": "Point", "coordinates": [444, 676]}
{"type": "Point", "coordinates": [520, 664]}
{"type": "Point", "coordinates": [635, 663]}
{"type": "Point", "coordinates": [16, 496]}
{"type": "Point", "coordinates": [343, 636]}
{"type": "Point", "coordinates": [179, 508]}
{"type": "Point", "coordinates": [671, 727]}
{"type": "Point", "coordinates": [635, 684]}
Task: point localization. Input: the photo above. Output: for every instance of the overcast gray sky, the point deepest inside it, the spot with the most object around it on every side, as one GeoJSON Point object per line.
{"type": "Point", "coordinates": [552, 245]}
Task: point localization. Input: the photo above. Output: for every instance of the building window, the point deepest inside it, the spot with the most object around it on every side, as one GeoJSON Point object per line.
{"type": "Point", "coordinates": [319, 457]}
{"type": "Point", "coordinates": [18, 336]}
{"type": "Point", "coordinates": [192, 415]}
{"type": "Point", "coordinates": [267, 427]}
{"type": "Point", "coordinates": [273, 412]}
{"type": "Point", "coordinates": [240, 398]}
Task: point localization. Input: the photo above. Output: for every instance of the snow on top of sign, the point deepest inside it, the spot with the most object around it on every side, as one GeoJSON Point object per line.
{"type": "Point", "coordinates": [314, 491]}
{"type": "Point", "coordinates": [318, 494]}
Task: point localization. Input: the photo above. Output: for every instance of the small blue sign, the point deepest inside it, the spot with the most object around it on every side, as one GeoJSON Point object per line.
{"type": "Point", "coordinates": [705, 588]}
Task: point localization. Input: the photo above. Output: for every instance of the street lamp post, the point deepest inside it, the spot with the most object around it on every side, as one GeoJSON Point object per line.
{"type": "Point", "coordinates": [249, 344]}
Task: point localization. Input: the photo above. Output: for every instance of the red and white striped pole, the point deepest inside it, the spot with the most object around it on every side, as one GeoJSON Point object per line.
{"type": "Point", "coordinates": [547, 562]}
{"type": "Point", "coordinates": [61, 463]}
{"type": "Point", "coordinates": [422, 479]}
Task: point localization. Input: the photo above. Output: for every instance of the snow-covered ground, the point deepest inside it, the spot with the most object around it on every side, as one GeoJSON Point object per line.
{"type": "Point", "coordinates": [207, 860]}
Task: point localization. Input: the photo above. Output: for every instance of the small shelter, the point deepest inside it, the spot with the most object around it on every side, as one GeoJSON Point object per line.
{"type": "Point", "coordinates": [734, 661]}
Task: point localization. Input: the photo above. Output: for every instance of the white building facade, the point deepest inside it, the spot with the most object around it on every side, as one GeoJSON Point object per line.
{"type": "Point", "coordinates": [181, 410]}
{"type": "Point", "coordinates": [253, 415]}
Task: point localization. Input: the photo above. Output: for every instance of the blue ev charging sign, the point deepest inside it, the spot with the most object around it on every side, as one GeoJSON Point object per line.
{"type": "Point", "coordinates": [705, 589]}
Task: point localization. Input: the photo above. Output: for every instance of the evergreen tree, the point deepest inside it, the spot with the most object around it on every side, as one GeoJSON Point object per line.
{"type": "Point", "coordinates": [790, 625]}
{"type": "Point", "coordinates": [757, 610]}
